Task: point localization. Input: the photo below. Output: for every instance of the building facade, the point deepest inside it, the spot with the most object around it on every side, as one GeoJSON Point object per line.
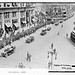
{"type": "Point", "coordinates": [13, 13]}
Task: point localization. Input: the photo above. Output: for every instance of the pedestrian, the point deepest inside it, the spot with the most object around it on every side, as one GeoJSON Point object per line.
{"type": "Point", "coordinates": [58, 33]}
{"type": "Point", "coordinates": [55, 56]}
{"type": "Point", "coordinates": [48, 55]}
{"type": "Point", "coordinates": [52, 45]}
{"type": "Point", "coordinates": [67, 35]}
{"type": "Point", "coordinates": [19, 65]}
{"type": "Point", "coordinates": [27, 56]}
{"type": "Point", "coordinates": [62, 26]}
{"type": "Point", "coordinates": [49, 64]}
{"type": "Point", "coordinates": [54, 51]}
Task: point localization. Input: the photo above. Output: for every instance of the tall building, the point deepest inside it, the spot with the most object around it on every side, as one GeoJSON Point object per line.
{"type": "Point", "coordinates": [15, 13]}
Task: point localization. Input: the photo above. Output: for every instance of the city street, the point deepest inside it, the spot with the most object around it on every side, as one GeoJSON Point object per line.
{"type": "Point", "coordinates": [39, 47]}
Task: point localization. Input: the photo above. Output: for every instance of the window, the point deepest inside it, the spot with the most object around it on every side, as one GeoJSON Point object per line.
{"type": "Point", "coordinates": [31, 11]}
{"type": "Point", "coordinates": [22, 4]}
{"type": "Point", "coordinates": [6, 15]}
{"type": "Point", "coordinates": [4, 4]}
{"type": "Point", "coordinates": [22, 14]}
{"type": "Point", "coordinates": [13, 14]}
{"type": "Point", "coordinates": [0, 5]}
{"type": "Point", "coordinates": [59, 9]}
{"type": "Point", "coordinates": [0, 16]}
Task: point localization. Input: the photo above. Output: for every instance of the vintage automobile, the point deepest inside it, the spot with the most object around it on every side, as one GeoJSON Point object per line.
{"type": "Point", "coordinates": [49, 28]}
{"type": "Point", "coordinates": [30, 39]}
{"type": "Point", "coordinates": [64, 19]}
{"type": "Point", "coordinates": [43, 32]}
{"type": "Point", "coordinates": [22, 34]}
{"type": "Point", "coordinates": [27, 32]}
{"type": "Point", "coordinates": [56, 24]}
{"type": "Point", "coordinates": [1, 45]}
{"type": "Point", "coordinates": [8, 51]}
{"type": "Point", "coordinates": [73, 22]}
{"type": "Point", "coordinates": [52, 22]}
{"type": "Point", "coordinates": [61, 21]}
{"type": "Point", "coordinates": [17, 36]}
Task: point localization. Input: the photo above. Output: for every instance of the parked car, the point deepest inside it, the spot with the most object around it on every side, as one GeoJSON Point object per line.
{"type": "Point", "coordinates": [8, 51]}
{"type": "Point", "coordinates": [30, 39]}
{"type": "Point", "coordinates": [64, 19]}
{"type": "Point", "coordinates": [52, 22]}
{"type": "Point", "coordinates": [49, 28]}
{"type": "Point", "coordinates": [43, 32]}
{"type": "Point", "coordinates": [56, 24]}
{"type": "Point", "coordinates": [61, 21]}
{"type": "Point", "coordinates": [1, 45]}
{"type": "Point", "coordinates": [73, 22]}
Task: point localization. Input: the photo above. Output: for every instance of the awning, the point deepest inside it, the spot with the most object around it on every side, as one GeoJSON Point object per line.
{"type": "Point", "coordinates": [14, 20]}
{"type": "Point", "coordinates": [16, 24]}
{"type": "Point", "coordinates": [8, 24]}
{"type": "Point", "coordinates": [23, 21]}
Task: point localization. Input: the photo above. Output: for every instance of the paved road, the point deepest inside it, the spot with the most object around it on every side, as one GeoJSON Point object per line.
{"type": "Point", "coordinates": [38, 49]}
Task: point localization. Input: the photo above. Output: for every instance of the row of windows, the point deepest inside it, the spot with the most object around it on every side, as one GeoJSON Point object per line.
{"type": "Point", "coordinates": [6, 15]}
{"type": "Point", "coordinates": [57, 9]}
{"type": "Point", "coordinates": [14, 14]}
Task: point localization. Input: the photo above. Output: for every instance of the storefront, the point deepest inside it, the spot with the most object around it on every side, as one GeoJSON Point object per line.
{"type": "Point", "coordinates": [15, 24]}
{"type": "Point", "coordinates": [22, 20]}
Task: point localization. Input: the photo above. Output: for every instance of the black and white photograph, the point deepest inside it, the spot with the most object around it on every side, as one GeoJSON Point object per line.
{"type": "Point", "coordinates": [37, 35]}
